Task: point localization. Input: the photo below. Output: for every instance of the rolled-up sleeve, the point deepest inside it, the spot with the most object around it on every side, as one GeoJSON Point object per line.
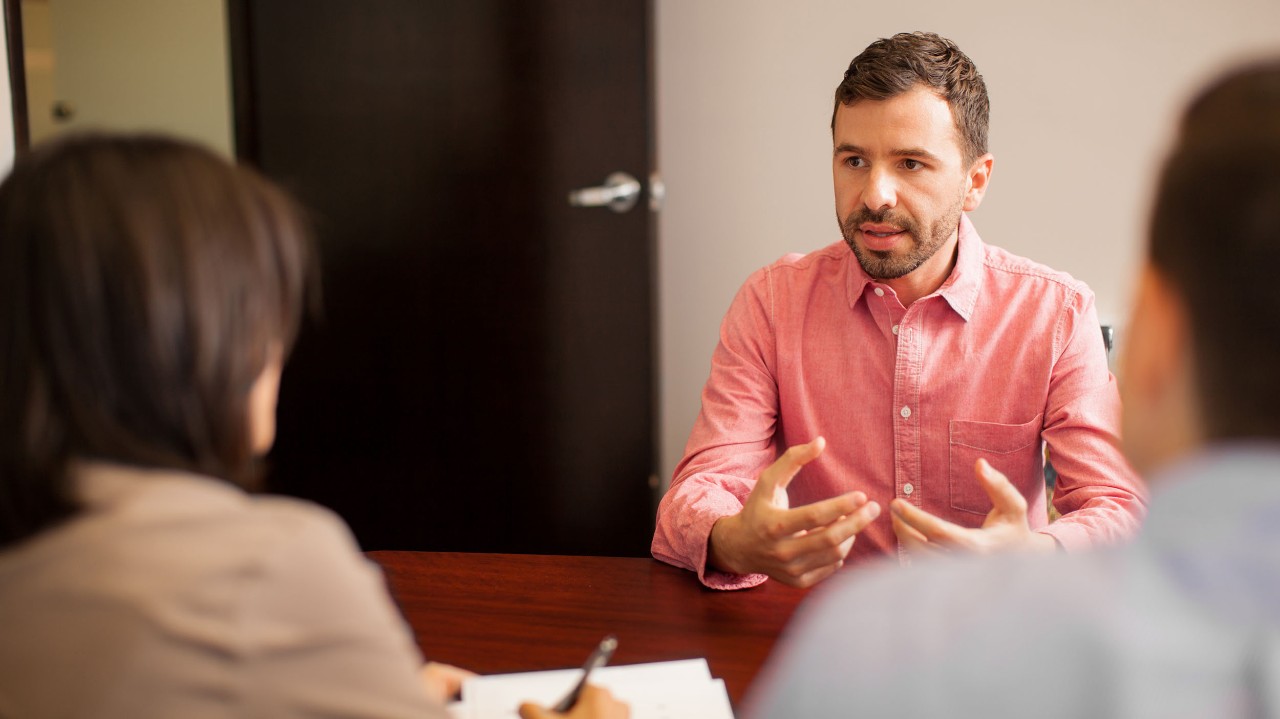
{"type": "Point", "coordinates": [1098, 494]}
{"type": "Point", "coordinates": [732, 440]}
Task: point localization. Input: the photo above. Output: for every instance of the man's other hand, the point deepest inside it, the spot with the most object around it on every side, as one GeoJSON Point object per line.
{"type": "Point", "coordinates": [800, 546]}
{"type": "Point", "coordinates": [1004, 528]}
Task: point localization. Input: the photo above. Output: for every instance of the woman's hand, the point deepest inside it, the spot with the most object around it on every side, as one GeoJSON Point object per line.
{"type": "Point", "coordinates": [594, 703]}
{"type": "Point", "coordinates": [443, 682]}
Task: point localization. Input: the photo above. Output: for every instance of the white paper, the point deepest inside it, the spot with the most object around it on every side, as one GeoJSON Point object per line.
{"type": "Point", "coordinates": [659, 690]}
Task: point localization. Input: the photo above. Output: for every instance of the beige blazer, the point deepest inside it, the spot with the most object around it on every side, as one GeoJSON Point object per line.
{"type": "Point", "coordinates": [173, 595]}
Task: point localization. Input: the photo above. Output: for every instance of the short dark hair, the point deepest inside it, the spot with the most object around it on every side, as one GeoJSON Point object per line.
{"type": "Point", "coordinates": [143, 282]}
{"type": "Point", "coordinates": [1215, 237]}
{"type": "Point", "coordinates": [894, 65]}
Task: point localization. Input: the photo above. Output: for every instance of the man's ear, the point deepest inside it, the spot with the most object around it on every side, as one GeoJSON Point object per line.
{"type": "Point", "coordinates": [979, 178]}
{"type": "Point", "coordinates": [1157, 376]}
{"type": "Point", "coordinates": [1158, 350]}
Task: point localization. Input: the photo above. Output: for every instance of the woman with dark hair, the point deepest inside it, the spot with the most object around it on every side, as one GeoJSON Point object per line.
{"type": "Point", "coordinates": [149, 294]}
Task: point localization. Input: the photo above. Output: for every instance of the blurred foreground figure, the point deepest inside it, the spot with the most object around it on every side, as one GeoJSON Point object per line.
{"type": "Point", "coordinates": [149, 294]}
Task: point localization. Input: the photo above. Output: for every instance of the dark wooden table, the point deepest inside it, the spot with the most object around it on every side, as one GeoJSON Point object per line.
{"type": "Point", "coordinates": [494, 613]}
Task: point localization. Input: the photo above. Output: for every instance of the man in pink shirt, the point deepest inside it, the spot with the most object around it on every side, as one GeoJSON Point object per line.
{"type": "Point", "coordinates": [922, 371]}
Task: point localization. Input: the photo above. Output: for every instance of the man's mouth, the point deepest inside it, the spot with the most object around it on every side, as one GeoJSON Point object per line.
{"type": "Point", "coordinates": [880, 230]}
{"type": "Point", "coordinates": [879, 237]}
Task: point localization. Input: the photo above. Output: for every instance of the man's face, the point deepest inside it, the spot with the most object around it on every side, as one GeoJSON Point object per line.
{"type": "Point", "coordinates": [900, 180]}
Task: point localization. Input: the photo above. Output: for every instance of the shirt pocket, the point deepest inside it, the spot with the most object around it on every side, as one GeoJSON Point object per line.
{"type": "Point", "coordinates": [1013, 449]}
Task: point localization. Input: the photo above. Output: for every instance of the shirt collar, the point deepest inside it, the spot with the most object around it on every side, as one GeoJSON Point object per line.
{"type": "Point", "coordinates": [98, 483]}
{"type": "Point", "coordinates": [1214, 530]}
{"type": "Point", "coordinates": [1216, 488]}
{"type": "Point", "coordinates": [960, 290]}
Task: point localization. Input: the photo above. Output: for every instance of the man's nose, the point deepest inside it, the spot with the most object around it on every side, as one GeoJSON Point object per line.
{"type": "Point", "coordinates": [880, 192]}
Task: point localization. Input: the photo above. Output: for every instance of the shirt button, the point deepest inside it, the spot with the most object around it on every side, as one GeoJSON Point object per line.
{"type": "Point", "coordinates": [908, 488]}
{"type": "Point", "coordinates": [879, 292]}
{"type": "Point", "coordinates": [905, 412]}
{"type": "Point", "coordinates": [895, 329]}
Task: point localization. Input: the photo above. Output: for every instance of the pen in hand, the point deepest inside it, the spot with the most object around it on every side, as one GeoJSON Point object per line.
{"type": "Point", "coordinates": [598, 658]}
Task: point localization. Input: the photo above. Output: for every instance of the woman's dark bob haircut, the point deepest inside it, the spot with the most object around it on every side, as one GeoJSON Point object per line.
{"type": "Point", "coordinates": [144, 283]}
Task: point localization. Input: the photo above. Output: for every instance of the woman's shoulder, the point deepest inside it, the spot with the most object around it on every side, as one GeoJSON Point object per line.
{"type": "Point", "coordinates": [172, 534]}
{"type": "Point", "coordinates": [166, 581]}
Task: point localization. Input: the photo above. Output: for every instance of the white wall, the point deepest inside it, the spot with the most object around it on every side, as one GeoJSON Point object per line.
{"type": "Point", "coordinates": [1083, 94]}
{"type": "Point", "coordinates": [6, 108]}
{"type": "Point", "coordinates": [131, 65]}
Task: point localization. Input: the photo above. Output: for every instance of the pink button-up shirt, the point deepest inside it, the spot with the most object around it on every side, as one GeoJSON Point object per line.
{"type": "Point", "coordinates": [1007, 354]}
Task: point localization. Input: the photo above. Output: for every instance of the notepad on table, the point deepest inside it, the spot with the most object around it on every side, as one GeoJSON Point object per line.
{"type": "Point", "coordinates": [681, 689]}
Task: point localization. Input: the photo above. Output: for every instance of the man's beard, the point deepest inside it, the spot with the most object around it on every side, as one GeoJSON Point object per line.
{"type": "Point", "coordinates": [890, 265]}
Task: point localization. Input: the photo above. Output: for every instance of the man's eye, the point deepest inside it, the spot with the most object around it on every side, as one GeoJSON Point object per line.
{"type": "Point", "coordinates": [856, 162]}
{"type": "Point", "coordinates": [912, 164]}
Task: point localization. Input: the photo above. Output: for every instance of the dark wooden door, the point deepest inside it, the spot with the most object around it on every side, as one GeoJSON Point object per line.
{"type": "Point", "coordinates": [481, 376]}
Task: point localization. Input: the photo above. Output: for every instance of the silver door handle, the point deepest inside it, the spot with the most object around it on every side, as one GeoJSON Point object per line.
{"type": "Point", "coordinates": [619, 193]}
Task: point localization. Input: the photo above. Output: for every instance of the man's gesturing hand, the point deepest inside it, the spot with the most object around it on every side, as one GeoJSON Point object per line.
{"type": "Point", "coordinates": [1004, 528]}
{"type": "Point", "coordinates": [800, 546]}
